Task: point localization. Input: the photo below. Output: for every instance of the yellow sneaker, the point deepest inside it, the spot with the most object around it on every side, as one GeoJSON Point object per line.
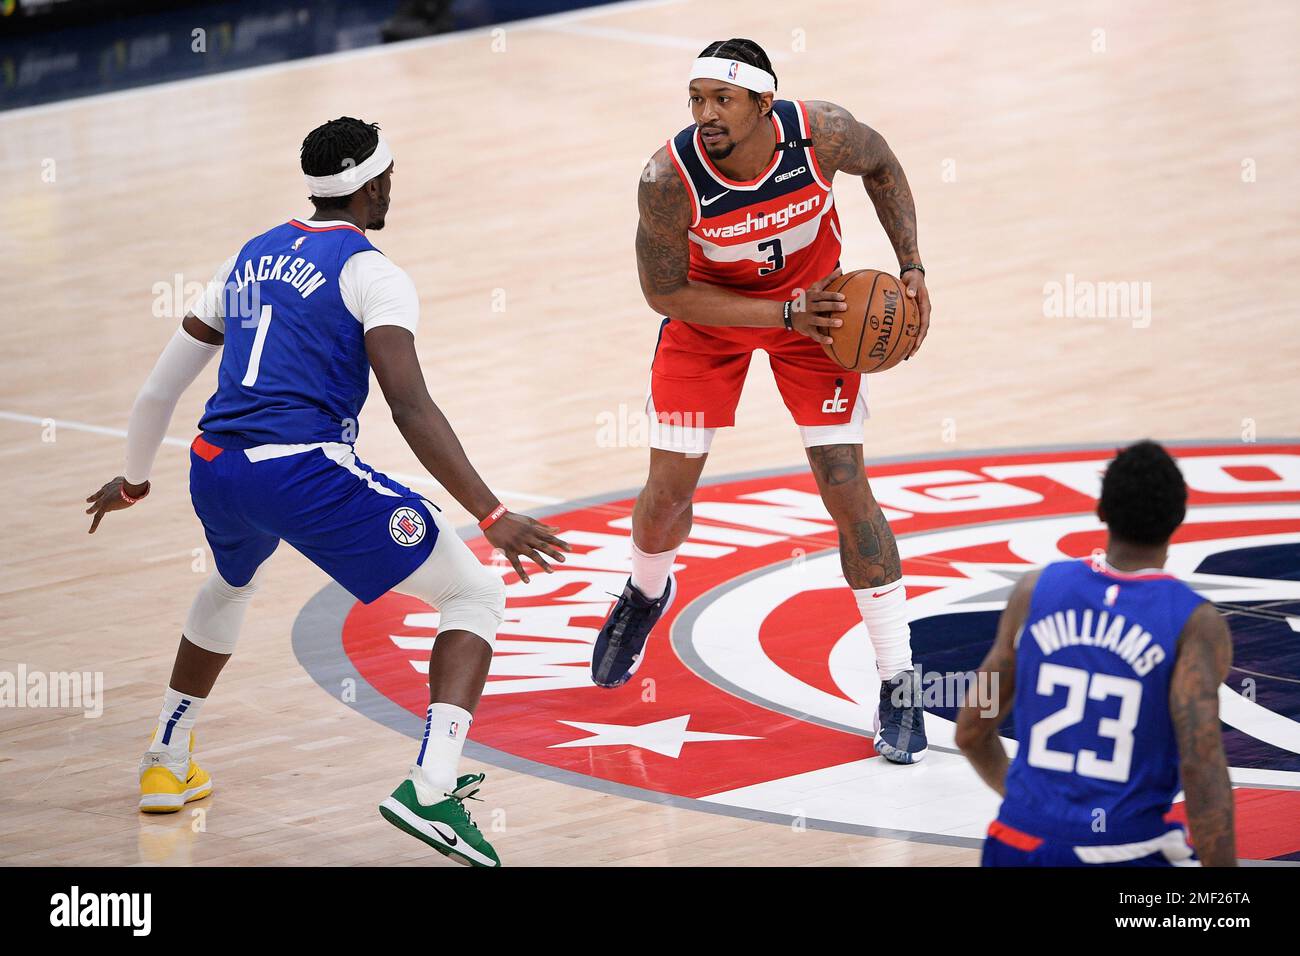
{"type": "Point", "coordinates": [167, 783]}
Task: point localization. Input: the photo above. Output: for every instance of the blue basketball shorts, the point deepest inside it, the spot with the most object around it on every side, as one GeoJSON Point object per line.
{"type": "Point", "coordinates": [362, 528]}
{"type": "Point", "coordinates": [1007, 846]}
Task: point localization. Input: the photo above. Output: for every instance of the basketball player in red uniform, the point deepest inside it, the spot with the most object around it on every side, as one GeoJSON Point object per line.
{"type": "Point", "coordinates": [738, 237]}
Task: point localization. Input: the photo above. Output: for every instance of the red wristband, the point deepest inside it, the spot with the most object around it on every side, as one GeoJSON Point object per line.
{"type": "Point", "coordinates": [121, 489]}
{"type": "Point", "coordinates": [491, 519]}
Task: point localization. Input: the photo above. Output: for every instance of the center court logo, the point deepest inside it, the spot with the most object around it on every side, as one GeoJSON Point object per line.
{"type": "Point", "coordinates": [406, 526]}
{"type": "Point", "coordinates": [757, 693]}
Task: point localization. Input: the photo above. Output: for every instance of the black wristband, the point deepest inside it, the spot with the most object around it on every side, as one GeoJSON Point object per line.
{"type": "Point", "coordinates": [909, 266]}
{"type": "Point", "coordinates": [786, 311]}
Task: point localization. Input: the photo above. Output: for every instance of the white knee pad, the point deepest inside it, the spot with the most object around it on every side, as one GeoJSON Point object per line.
{"type": "Point", "coordinates": [218, 613]}
{"type": "Point", "coordinates": [477, 606]}
{"type": "Point", "coordinates": [467, 596]}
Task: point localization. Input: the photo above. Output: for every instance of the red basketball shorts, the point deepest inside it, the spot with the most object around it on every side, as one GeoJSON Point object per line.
{"type": "Point", "coordinates": [699, 371]}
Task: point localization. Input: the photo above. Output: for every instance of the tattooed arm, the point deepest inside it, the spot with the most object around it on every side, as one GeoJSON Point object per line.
{"type": "Point", "coordinates": [663, 259]}
{"type": "Point", "coordinates": [977, 723]}
{"type": "Point", "coordinates": [842, 144]}
{"type": "Point", "coordinates": [1204, 654]}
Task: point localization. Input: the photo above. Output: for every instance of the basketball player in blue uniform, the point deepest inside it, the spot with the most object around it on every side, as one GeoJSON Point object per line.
{"type": "Point", "coordinates": [1115, 668]}
{"type": "Point", "coordinates": [304, 312]}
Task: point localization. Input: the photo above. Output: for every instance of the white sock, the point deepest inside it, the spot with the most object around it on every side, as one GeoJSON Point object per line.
{"type": "Point", "coordinates": [445, 728]}
{"type": "Point", "coordinates": [175, 721]}
{"type": "Point", "coordinates": [650, 571]}
{"type": "Point", "coordinates": [883, 614]}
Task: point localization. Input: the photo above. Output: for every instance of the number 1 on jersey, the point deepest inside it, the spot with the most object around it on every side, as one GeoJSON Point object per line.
{"type": "Point", "coordinates": [259, 340]}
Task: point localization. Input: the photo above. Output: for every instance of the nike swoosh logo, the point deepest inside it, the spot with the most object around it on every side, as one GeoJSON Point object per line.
{"type": "Point", "coordinates": [449, 839]}
{"type": "Point", "coordinates": [876, 594]}
{"type": "Point", "coordinates": [713, 199]}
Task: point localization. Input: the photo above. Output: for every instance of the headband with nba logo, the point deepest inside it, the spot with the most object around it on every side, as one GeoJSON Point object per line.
{"type": "Point", "coordinates": [744, 75]}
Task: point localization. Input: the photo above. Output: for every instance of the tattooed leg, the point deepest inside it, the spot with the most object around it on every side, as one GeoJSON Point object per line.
{"type": "Point", "coordinates": [868, 551]}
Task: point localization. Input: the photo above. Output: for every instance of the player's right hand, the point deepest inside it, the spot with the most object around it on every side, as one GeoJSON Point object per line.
{"type": "Point", "coordinates": [814, 310]}
{"type": "Point", "coordinates": [515, 535]}
{"type": "Point", "coordinates": [109, 498]}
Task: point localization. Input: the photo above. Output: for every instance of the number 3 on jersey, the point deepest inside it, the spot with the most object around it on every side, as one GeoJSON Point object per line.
{"type": "Point", "coordinates": [775, 258]}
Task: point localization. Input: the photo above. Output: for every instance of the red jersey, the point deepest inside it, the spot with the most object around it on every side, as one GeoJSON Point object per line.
{"type": "Point", "coordinates": [771, 235]}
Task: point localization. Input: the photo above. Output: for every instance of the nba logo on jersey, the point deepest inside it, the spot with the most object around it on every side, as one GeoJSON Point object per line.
{"type": "Point", "coordinates": [406, 526]}
{"type": "Point", "coordinates": [1112, 595]}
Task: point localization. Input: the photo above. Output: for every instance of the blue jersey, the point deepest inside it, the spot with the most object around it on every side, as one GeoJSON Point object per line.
{"type": "Point", "coordinates": [294, 369]}
{"type": "Point", "coordinates": [1097, 761]}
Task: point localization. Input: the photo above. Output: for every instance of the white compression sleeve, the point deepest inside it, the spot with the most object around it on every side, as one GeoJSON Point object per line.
{"type": "Point", "coordinates": [177, 368]}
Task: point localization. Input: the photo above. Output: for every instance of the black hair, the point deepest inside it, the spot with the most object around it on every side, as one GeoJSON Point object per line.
{"type": "Point", "coordinates": [743, 51]}
{"type": "Point", "coordinates": [334, 147]}
{"type": "Point", "coordinates": [1143, 495]}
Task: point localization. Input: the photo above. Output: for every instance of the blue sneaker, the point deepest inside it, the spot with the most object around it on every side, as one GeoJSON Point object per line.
{"type": "Point", "coordinates": [900, 719]}
{"type": "Point", "coordinates": [620, 645]}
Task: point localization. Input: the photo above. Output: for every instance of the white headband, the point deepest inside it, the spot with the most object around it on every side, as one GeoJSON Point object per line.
{"type": "Point", "coordinates": [354, 176]}
{"type": "Point", "coordinates": [734, 72]}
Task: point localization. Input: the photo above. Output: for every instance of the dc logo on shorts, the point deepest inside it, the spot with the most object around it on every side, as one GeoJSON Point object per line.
{"type": "Point", "coordinates": [406, 526]}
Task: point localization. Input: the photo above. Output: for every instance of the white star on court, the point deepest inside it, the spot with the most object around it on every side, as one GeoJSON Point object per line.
{"type": "Point", "coordinates": [662, 736]}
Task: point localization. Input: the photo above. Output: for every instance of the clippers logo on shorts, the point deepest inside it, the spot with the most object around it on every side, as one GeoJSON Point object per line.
{"type": "Point", "coordinates": [406, 526]}
{"type": "Point", "coordinates": [757, 693]}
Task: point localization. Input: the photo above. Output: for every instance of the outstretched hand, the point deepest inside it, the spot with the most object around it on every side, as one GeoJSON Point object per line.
{"type": "Point", "coordinates": [117, 495]}
{"type": "Point", "coordinates": [516, 535]}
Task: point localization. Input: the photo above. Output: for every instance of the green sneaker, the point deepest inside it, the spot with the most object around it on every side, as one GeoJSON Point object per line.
{"type": "Point", "coordinates": [445, 825]}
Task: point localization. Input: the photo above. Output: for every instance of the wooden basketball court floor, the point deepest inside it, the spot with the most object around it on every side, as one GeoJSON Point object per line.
{"type": "Point", "coordinates": [1095, 139]}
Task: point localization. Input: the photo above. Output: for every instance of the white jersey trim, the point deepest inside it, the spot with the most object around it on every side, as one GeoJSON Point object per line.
{"type": "Point", "coordinates": [705, 161]}
{"type": "Point", "coordinates": [811, 157]}
{"type": "Point", "coordinates": [1173, 844]}
{"type": "Point", "coordinates": [337, 452]}
{"type": "Point", "coordinates": [685, 175]}
{"type": "Point", "coordinates": [792, 240]}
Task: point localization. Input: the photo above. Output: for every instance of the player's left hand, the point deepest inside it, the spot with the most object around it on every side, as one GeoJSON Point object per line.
{"type": "Point", "coordinates": [109, 498]}
{"type": "Point", "coordinates": [915, 283]}
{"type": "Point", "coordinates": [516, 535]}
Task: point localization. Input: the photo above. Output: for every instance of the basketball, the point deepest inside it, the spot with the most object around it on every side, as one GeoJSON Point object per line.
{"type": "Point", "coordinates": [880, 324]}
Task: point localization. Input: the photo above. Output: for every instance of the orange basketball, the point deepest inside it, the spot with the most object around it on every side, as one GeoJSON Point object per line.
{"type": "Point", "coordinates": [880, 325]}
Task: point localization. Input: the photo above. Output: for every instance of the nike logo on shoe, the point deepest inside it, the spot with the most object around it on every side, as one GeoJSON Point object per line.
{"type": "Point", "coordinates": [449, 838]}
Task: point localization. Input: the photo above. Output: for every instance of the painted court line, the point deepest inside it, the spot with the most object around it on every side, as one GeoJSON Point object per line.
{"type": "Point", "coordinates": [406, 479]}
